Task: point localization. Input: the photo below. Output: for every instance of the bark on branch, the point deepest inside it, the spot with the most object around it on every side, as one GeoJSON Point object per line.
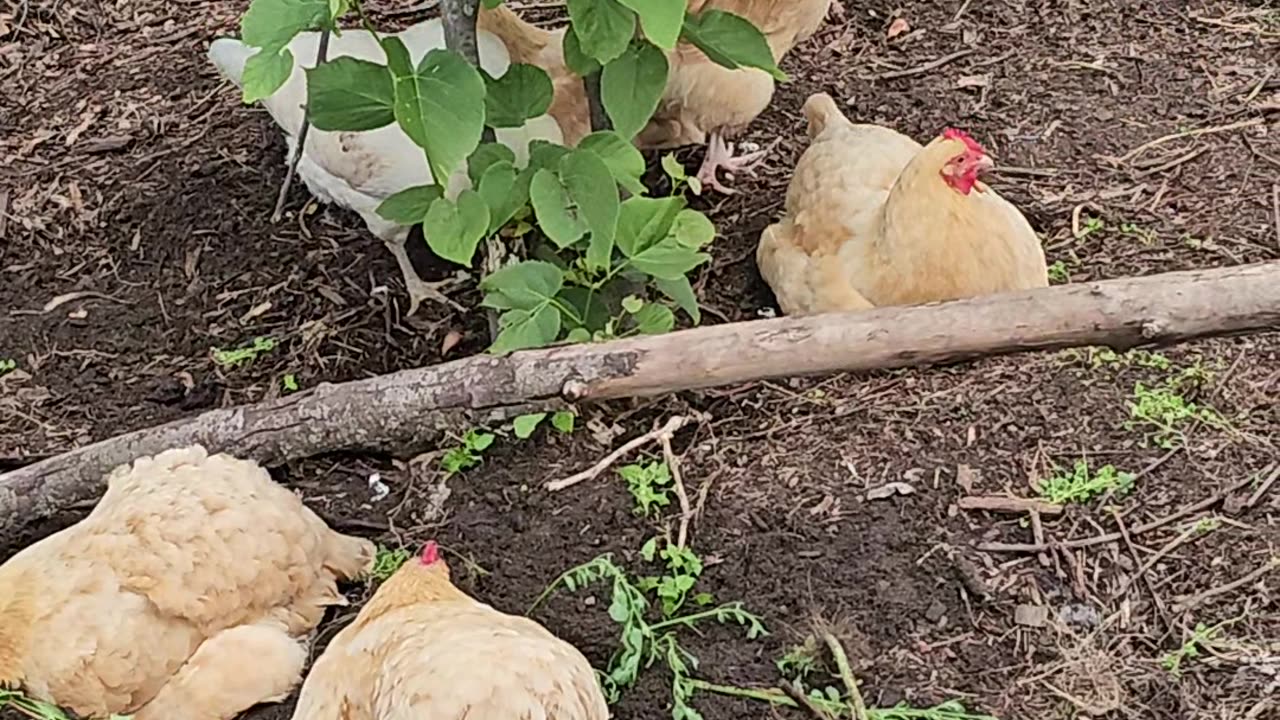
{"type": "Point", "coordinates": [406, 411]}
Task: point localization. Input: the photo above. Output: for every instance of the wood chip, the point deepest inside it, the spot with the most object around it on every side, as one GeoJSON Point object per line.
{"type": "Point", "coordinates": [1018, 506]}
{"type": "Point", "coordinates": [888, 490]}
{"type": "Point", "coordinates": [1031, 615]}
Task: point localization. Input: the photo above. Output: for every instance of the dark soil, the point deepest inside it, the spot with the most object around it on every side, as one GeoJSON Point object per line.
{"type": "Point", "coordinates": [132, 176]}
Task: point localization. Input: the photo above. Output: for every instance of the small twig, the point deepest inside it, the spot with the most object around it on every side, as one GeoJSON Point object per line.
{"type": "Point", "coordinates": [1112, 537]}
{"type": "Point", "coordinates": [1162, 552]}
{"type": "Point", "coordinates": [1015, 505]}
{"type": "Point", "coordinates": [1184, 605]}
{"type": "Point", "coordinates": [673, 464]}
{"type": "Point", "coordinates": [846, 674]}
{"type": "Point", "coordinates": [1275, 207]}
{"type": "Point", "coordinates": [322, 53]}
{"type": "Point", "coordinates": [1137, 561]}
{"type": "Point", "coordinates": [1263, 488]}
{"type": "Point", "coordinates": [921, 69]}
{"type": "Point", "coordinates": [796, 693]}
{"type": "Point", "coordinates": [1189, 134]}
{"type": "Point", "coordinates": [673, 425]}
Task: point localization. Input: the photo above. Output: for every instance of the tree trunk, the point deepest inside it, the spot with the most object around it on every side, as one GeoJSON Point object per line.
{"type": "Point", "coordinates": [408, 410]}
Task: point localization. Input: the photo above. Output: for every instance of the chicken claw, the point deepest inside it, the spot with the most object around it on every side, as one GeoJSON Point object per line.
{"type": "Point", "coordinates": [720, 155]}
{"type": "Point", "coordinates": [418, 288]}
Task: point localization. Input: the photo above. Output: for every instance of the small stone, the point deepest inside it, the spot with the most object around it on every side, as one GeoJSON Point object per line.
{"type": "Point", "coordinates": [1030, 615]}
{"type": "Point", "coordinates": [935, 612]}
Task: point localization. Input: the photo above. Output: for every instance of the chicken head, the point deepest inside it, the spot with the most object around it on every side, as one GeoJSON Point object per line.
{"type": "Point", "coordinates": [961, 172]}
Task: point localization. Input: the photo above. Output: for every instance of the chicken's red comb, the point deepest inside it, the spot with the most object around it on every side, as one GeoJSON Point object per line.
{"type": "Point", "coordinates": [430, 552]}
{"type": "Point", "coordinates": [964, 137]}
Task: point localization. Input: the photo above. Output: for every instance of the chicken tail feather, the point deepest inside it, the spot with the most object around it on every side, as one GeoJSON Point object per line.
{"type": "Point", "coordinates": [820, 110]}
{"type": "Point", "coordinates": [229, 55]}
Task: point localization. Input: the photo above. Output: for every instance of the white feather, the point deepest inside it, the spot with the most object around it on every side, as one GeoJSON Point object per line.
{"type": "Point", "coordinates": [358, 170]}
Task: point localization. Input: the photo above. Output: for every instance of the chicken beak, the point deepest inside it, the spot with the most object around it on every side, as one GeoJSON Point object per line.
{"type": "Point", "coordinates": [984, 165]}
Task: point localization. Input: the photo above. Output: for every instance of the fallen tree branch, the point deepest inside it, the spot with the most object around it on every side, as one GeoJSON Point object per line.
{"type": "Point", "coordinates": [405, 411]}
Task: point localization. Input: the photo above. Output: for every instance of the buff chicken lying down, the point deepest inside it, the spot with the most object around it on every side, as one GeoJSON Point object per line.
{"type": "Point", "coordinates": [873, 218]}
{"type": "Point", "coordinates": [188, 593]}
{"type": "Point", "coordinates": [422, 649]}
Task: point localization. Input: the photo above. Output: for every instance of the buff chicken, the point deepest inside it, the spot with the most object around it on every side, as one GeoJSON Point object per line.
{"type": "Point", "coordinates": [707, 103]}
{"type": "Point", "coordinates": [190, 592]}
{"type": "Point", "coordinates": [421, 648]}
{"type": "Point", "coordinates": [872, 218]}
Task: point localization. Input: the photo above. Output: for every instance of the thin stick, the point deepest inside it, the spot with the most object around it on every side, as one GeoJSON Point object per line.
{"type": "Point", "coordinates": [1014, 505]}
{"type": "Point", "coordinates": [1275, 206]}
{"type": "Point", "coordinates": [322, 53]}
{"type": "Point", "coordinates": [846, 674]}
{"type": "Point", "coordinates": [921, 69]}
{"type": "Point", "coordinates": [1112, 537]}
{"type": "Point", "coordinates": [1263, 488]}
{"type": "Point", "coordinates": [1137, 561]}
{"type": "Point", "coordinates": [1192, 603]}
{"type": "Point", "coordinates": [670, 428]}
{"type": "Point", "coordinates": [673, 463]}
{"type": "Point", "coordinates": [796, 693]}
{"type": "Point", "coordinates": [1168, 548]}
{"type": "Point", "coordinates": [1191, 133]}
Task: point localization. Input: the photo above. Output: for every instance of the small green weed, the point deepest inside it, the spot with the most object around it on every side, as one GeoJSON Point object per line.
{"type": "Point", "coordinates": [1143, 235]}
{"type": "Point", "coordinates": [526, 424]}
{"type": "Point", "coordinates": [832, 702]}
{"type": "Point", "coordinates": [801, 660]}
{"type": "Point", "coordinates": [643, 642]}
{"type": "Point", "coordinates": [289, 383]}
{"type": "Point", "coordinates": [386, 562]}
{"type": "Point", "coordinates": [1058, 272]}
{"type": "Point", "coordinates": [230, 359]}
{"type": "Point", "coordinates": [1089, 226]}
{"type": "Point", "coordinates": [467, 455]}
{"type": "Point", "coordinates": [1079, 486]}
{"type": "Point", "coordinates": [649, 484]}
{"type": "Point", "coordinates": [1161, 412]}
{"type": "Point", "coordinates": [1201, 636]}
{"type": "Point", "coordinates": [1102, 356]}
{"type": "Point", "coordinates": [7, 365]}
{"type": "Point", "coordinates": [684, 567]}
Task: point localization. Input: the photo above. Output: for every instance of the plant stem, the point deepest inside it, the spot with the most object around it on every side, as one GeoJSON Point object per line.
{"type": "Point", "coordinates": [459, 18]}
{"type": "Point", "coordinates": [846, 674]}
{"type": "Point", "coordinates": [691, 618]}
{"type": "Point", "coordinates": [599, 118]}
{"type": "Point", "coordinates": [322, 53]}
{"type": "Point", "coordinates": [775, 697]}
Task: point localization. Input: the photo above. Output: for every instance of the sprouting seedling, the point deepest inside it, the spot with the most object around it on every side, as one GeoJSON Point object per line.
{"type": "Point", "coordinates": [649, 484]}
{"type": "Point", "coordinates": [289, 383]}
{"type": "Point", "coordinates": [1200, 637]}
{"type": "Point", "coordinates": [234, 358]}
{"type": "Point", "coordinates": [386, 562]}
{"type": "Point", "coordinates": [679, 176]}
{"type": "Point", "coordinates": [800, 660]}
{"type": "Point", "coordinates": [1080, 486]}
{"type": "Point", "coordinates": [467, 455]}
{"type": "Point", "coordinates": [1058, 272]}
{"type": "Point", "coordinates": [1162, 413]}
{"type": "Point", "coordinates": [525, 425]}
{"type": "Point", "coordinates": [7, 365]}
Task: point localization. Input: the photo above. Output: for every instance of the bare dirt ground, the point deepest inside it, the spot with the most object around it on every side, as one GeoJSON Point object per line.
{"type": "Point", "coordinates": [1138, 136]}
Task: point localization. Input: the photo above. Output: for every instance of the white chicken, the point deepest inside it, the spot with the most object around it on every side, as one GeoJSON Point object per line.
{"type": "Point", "coordinates": [358, 170]}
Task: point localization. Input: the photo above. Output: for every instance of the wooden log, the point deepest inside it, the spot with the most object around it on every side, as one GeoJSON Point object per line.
{"type": "Point", "coordinates": [405, 411]}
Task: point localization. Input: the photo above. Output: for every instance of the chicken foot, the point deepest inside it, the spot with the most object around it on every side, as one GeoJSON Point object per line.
{"type": "Point", "coordinates": [230, 673]}
{"type": "Point", "coordinates": [720, 155]}
{"type": "Point", "coordinates": [418, 288]}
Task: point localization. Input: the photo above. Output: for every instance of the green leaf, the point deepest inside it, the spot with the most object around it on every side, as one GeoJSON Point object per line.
{"type": "Point", "coordinates": [410, 206]}
{"type": "Point", "coordinates": [563, 421]}
{"type": "Point", "coordinates": [604, 27]}
{"type": "Point", "coordinates": [644, 222]}
{"type": "Point", "coordinates": [654, 319]}
{"type": "Point", "coordinates": [350, 94]}
{"type": "Point", "coordinates": [491, 4]}
{"type": "Point", "coordinates": [398, 59]}
{"type": "Point", "coordinates": [623, 159]}
{"type": "Point", "coordinates": [672, 167]}
{"type": "Point", "coordinates": [501, 194]}
{"type": "Point", "coordinates": [668, 260]}
{"type": "Point", "coordinates": [524, 329]}
{"type": "Point", "coordinates": [273, 23]}
{"type": "Point", "coordinates": [440, 106]}
{"type": "Point", "coordinates": [579, 335]}
{"type": "Point", "coordinates": [649, 549]}
{"type": "Point", "coordinates": [594, 192]}
{"type": "Point", "coordinates": [661, 20]}
{"type": "Point", "coordinates": [554, 209]}
{"type": "Point", "coordinates": [731, 41]}
{"type": "Point", "coordinates": [693, 229]}
{"type": "Point", "coordinates": [632, 85]}
{"type": "Point", "coordinates": [543, 154]}
{"type": "Point", "coordinates": [523, 92]}
{"type": "Point", "coordinates": [455, 230]}
{"type": "Point", "coordinates": [525, 285]}
{"type": "Point", "coordinates": [526, 424]}
{"type": "Point", "coordinates": [575, 59]}
{"type": "Point", "coordinates": [681, 291]}
{"type": "Point", "coordinates": [486, 155]}
{"type": "Point", "coordinates": [265, 72]}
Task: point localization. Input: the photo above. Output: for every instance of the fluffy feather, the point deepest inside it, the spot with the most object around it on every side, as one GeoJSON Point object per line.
{"type": "Point", "coordinates": [191, 567]}
{"type": "Point", "coordinates": [873, 218]}
{"type": "Point", "coordinates": [422, 649]}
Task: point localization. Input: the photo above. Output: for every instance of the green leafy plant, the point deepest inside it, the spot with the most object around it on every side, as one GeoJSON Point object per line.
{"type": "Point", "coordinates": [230, 359]}
{"type": "Point", "coordinates": [1080, 486]}
{"type": "Point", "coordinates": [1100, 356]}
{"type": "Point", "coordinates": [1058, 272]}
{"type": "Point", "coordinates": [289, 383]}
{"type": "Point", "coordinates": [7, 365]}
{"type": "Point", "coordinates": [1090, 226]}
{"type": "Point", "coordinates": [468, 454]}
{"type": "Point", "coordinates": [525, 425]}
{"type": "Point", "coordinates": [801, 660]}
{"type": "Point", "coordinates": [1161, 412]}
{"type": "Point", "coordinates": [672, 588]}
{"type": "Point", "coordinates": [1200, 637]}
{"type": "Point", "coordinates": [602, 265]}
{"type": "Point", "coordinates": [649, 484]}
{"type": "Point", "coordinates": [644, 642]}
{"type": "Point", "coordinates": [386, 562]}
